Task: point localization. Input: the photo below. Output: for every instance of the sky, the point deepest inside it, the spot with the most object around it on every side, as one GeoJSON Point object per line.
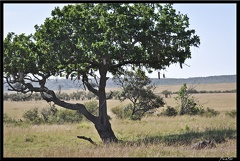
{"type": "Point", "coordinates": [214, 23]}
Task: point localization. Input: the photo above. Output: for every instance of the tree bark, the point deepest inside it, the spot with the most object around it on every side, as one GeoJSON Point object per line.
{"type": "Point", "coordinates": [103, 125]}
{"type": "Point", "coordinates": [105, 132]}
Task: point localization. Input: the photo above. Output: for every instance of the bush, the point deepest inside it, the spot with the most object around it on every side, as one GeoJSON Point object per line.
{"type": "Point", "coordinates": [49, 115]}
{"type": "Point", "coordinates": [122, 112]}
{"type": "Point", "coordinates": [52, 115]}
{"type": "Point", "coordinates": [69, 116]}
{"type": "Point", "coordinates": [118, 111]}
{"type": "Point", "coordinates": [92, 107]}
{"type": "Point", "coordinates": [37, 96]}
{"type": "Point", "coordinates": [232, 113]}
{"type": "Point", "coordinates": [189, 106]}
{"type": "Point", "coordinates": [15, 97]}
{"type": "Point", "coordinates": [33, 116]}
{"type": "Point", "coordinates": [170, 111]}
{"type": "Point", "coordinates": [210, 112]}
{"type": "Point", "coordinates": [7, 119]}
{"type": "Point", "coordinates": [90, 95]}
{"type": "Point", "coordinates": [6, 96]}
{"type": "Point", "coordinates": [192, 91]}
{"type": "Point", "coordinates": [135, 117]}
{"type": "Point", "coordinates": [166, 93]}
{"type": "Point", "coordinates": [63, 96]}
{"type": "Point", "coordinates": [193, 108]}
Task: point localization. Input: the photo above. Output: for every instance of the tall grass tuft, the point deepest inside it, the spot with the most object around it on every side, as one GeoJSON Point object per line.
{"type": "Point", "coordinates": [232, 113]}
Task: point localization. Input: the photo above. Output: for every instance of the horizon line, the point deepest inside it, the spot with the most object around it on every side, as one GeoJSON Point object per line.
{"type": "Point", "coordinates": [170, 77]}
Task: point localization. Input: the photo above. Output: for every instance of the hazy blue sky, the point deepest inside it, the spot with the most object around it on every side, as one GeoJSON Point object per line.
{"type": "Point", "coordinates": [215, 24]}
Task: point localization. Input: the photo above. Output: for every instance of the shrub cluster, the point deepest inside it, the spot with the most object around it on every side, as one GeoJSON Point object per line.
{"type": "Point", "coordinates": [7, 119]}
{"type": "Point", "coordinates": [52, 116]}
{"type": "Point", "coordinates": [194, 110]}
{"type": "Point", "coordinates": [232, 113]}
{"type": "Point", "coordinates": [188, 105]}
{"type": "Point", "coordinates": [126, 112]}
{"type": "Point", "coordinates": [122, 112]}
{"type": "Point", "coordinates": [92, 107]}
{"type": "Point", "coordinates": [170, 111]}
{"type": "Point", "coordinates": [208, 112]}
{"type": "Point", "coordinates": [194, 91]}
{"type": "Point", "coordinates": [80, 95]}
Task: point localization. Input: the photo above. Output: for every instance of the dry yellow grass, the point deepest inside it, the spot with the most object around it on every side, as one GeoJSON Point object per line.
{"type": "Point", "coordinates": [114, 151]}
{"type": "Point", "coordinates": [61, 141]}
{"type": "Point", "coordinates": [16, 109]}
{"type": "Point", "coordinates": [175, 88]}
{"type": "Point", "coordinates": [199, 87]}
{"type": "Point", "coordinates": [217, 101]}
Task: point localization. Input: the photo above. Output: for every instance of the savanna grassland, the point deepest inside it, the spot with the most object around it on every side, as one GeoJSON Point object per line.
{"type": "Point", "coordinates": [153, 136]}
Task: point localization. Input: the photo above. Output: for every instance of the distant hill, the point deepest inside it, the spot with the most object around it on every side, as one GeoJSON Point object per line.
{"type": "Point", "coordinates": [67, 84]}
{"type": "Point", "coordinates": [196, 80]}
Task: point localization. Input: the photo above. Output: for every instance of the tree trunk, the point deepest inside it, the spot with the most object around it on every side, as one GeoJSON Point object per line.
{"type": "Point", "coordinates": [105, 132]}
{"type": "Point", "coordinates": [101, 122]}
{"type": "Point", "coordinates": [103, 125]}
{"type": "Point", "coordinates": [182, 108]}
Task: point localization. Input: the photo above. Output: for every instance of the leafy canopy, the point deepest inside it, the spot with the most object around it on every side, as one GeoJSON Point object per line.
{"type": "Point", "coordinates": [80, 39]}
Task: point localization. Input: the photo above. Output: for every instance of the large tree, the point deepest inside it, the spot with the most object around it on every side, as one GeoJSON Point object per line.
{"type": "Point", "coordinates": [79, 41]}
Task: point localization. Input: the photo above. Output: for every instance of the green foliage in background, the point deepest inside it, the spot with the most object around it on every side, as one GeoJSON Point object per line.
{"type": "Point", "coordinates": [52, 116]}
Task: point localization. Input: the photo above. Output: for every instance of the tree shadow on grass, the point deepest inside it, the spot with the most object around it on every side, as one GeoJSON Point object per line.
{"type": "Point", "coordinates": [188, 137]}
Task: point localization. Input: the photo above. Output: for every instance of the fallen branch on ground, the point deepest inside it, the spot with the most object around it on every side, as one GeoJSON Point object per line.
{"type": "Point", "coordinates": [88, 139]}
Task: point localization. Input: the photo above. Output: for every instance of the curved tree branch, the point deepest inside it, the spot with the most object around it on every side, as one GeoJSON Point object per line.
{"type": "Point", "coordinates": [85, 80]}
{"type": "Point", "coordinates": [50, 96]}
{"type": "Point", "coordinates": [79, 107]}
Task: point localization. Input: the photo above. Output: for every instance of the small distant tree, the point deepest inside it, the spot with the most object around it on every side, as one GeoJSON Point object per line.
{"type": "Point", "coordinates": [136, 87]}
{"type": "Point", "coordinates": [183, 96]}
{"type": "Point", "coordinates": [5, 96]}
{"type": "Point", "coordinates": [166, 93]}
{"type": "Point", "coordinates": [188, 104]}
